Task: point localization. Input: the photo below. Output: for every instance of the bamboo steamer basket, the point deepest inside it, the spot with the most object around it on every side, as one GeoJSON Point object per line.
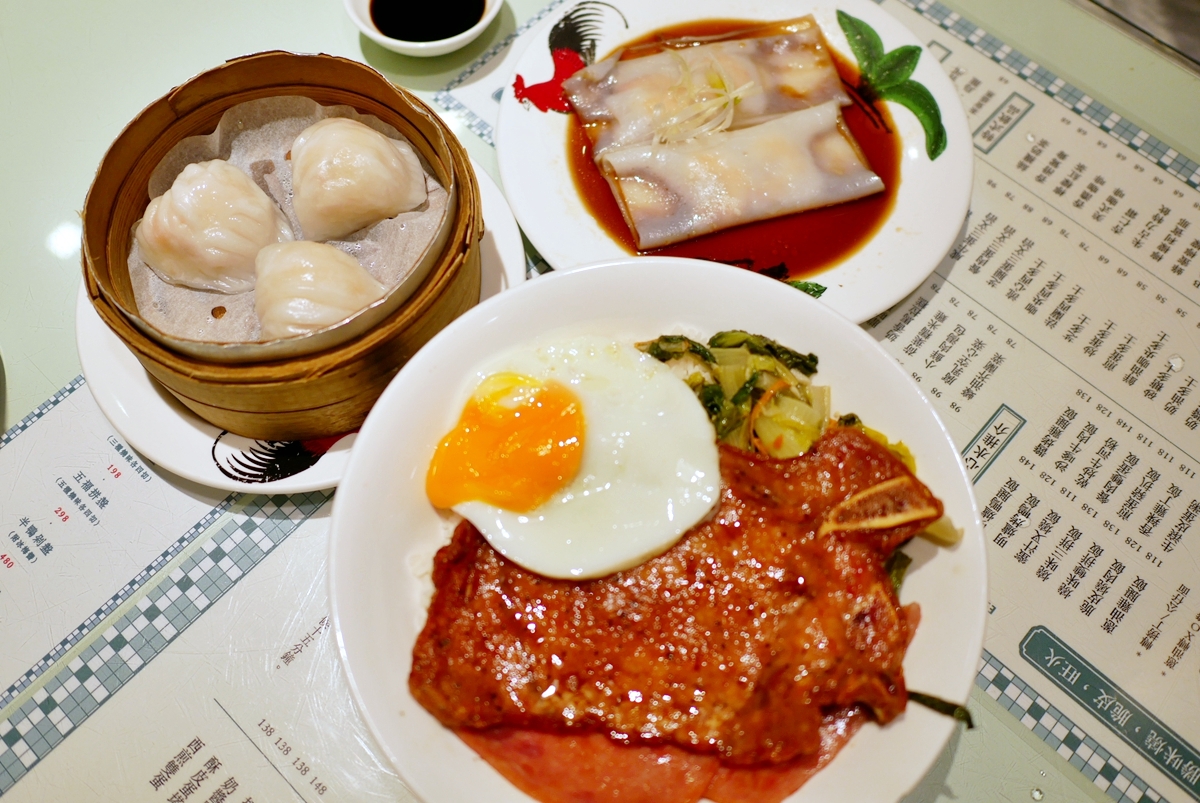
{"type": "Point", "coordinates": [313, 395]}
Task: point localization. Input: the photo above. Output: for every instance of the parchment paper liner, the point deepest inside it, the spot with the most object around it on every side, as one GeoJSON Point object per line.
{"type": "Point", "coordinates": [219, 144]}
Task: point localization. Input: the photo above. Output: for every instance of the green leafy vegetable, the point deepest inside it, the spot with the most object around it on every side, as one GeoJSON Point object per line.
{"type": "Point", "coordinates": [897, 566]}
{"type": "Point", "coordinates": [729, 414]}
{"type": "Point", "coordinates": [712, 398]}
{"type": "Point", "coordinates": [757, 344]}
{"type": "Point", "coordinates": [744, 396]}
{"type": "Point", "coordinates": [753, 389]}
{"type": "Point", "coordinates": [668, 347]}
{"type": "Point", "coordinates": [812, 288]}
{"type": "Point", "coordinates": [886, 76]}
{"type": "Point", "coordinates": [729, 421]}
{"type": "Point", "coordinates": [942, 707]}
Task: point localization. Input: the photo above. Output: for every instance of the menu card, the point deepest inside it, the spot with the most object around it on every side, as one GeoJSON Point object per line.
{"type": "Point", "coordinates": [212, 607]}
{"type": "Point", "coordinates": [1058, 340]}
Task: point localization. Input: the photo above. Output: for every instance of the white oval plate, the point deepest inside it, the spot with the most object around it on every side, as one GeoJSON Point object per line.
{"type": "Point", "coordinates": [154, 423]}
{"type": "Point", "coordinates": [930, 207]}
{"type": "Point", "coordinates": [385, 530]}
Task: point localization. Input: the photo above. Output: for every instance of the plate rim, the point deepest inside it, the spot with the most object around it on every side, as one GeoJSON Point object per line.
{"type": "Point", "coordinates": [974, 539]}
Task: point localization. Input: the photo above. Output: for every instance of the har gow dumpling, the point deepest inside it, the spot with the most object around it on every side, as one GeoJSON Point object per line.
{"type": "Point", "coordinates": [305, 286]}
{"type": "Point", "coordinates": [346, 175]}
{"type": "Point", "coordinates": [205, 231]}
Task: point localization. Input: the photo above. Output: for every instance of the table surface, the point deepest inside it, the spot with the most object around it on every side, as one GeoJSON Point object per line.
{"type": "Point", "coordinates": [74, 73]}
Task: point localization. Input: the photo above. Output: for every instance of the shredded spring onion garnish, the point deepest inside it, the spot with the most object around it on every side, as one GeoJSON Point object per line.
{"type": "Point", "coordinates": [710, 108]}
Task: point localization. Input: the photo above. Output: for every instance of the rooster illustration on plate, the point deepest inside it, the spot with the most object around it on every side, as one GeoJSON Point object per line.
{"type": "Point", "coordinates": [572, 44]}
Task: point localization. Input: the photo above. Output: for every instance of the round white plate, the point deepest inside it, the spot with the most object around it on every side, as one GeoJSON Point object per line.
{"type": "Point", "coordinates": [930, 207]}
{"type": "Point", "coordinates": [154, 423]}
{"type": "Point", "coordinates": [385, 530]}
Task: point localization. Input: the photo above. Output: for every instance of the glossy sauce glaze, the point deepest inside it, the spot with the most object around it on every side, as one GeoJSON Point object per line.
{"type": "Point", "coordinates": [793, 246]}
{"type": "Point", "coordinates": [425, 22]}
{"type": "Point", "coordinates": [737, 643]}
{"type": "Point", "coordinates": [569, 768]}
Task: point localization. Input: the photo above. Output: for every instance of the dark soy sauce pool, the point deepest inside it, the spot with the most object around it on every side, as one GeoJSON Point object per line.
{"type": "Point", "coordinates": [425, 22]}
{"type": "Point", "coordinates": [805, 242]}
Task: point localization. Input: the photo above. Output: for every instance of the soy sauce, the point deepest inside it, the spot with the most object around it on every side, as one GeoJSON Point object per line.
{"type": "Point", "coordinates": [427, 21]}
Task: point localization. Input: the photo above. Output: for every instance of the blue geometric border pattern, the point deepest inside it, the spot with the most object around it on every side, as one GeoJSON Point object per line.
{"type": "Point", "coordinates": [74, 693]}
{"type": "Point", "coordinates": [43, 408]}
{"type": "Point", "coordinates": [451, 104]}
{"type": "Point", "coordinates": [475, 124]}
{"type": "Point", "coordinates": [1057, 730]}
{"type": "Point", "coordinates": [114, 602]}
{"type": "Point", "coordinates": [1073, 98]}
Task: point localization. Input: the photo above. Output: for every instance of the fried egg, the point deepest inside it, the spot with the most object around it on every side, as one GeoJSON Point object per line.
{"type": "Point", "coordinates": [577, 456]}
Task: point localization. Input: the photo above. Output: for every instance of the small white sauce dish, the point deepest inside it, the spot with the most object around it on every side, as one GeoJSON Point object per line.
{"type": "Point", "coordinates": [360, 13]}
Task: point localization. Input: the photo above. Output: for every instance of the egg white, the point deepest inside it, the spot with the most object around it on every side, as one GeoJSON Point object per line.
{"type": "Point", "coordinates": [649, 470]}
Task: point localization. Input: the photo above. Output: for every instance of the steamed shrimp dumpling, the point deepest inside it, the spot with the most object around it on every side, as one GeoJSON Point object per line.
{"type": "Point", "coordinates": [305, 286]}
{"type": "Point", "coordinates": [205, 231]}
{"type": "Point", "coordinates": [346, 176]}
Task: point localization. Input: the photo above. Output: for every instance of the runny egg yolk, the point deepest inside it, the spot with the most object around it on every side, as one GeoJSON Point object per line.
{"type": "Point", "coordinates": [517, 443]}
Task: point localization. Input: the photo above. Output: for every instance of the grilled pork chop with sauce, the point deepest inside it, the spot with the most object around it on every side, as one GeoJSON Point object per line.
{"type": "Point", "coordinates": [745, 642]}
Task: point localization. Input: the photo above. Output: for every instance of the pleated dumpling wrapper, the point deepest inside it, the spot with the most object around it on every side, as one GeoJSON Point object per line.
{"type": "Point", "coordinates": [305, 286]}
{"type": "Point", "coordinates": [205, 231]}
{"type": "Point", "coordinates": [346, 176]}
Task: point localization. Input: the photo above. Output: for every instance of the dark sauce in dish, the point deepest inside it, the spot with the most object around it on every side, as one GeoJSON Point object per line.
{"type": "Point", "coordinates": [792, 246]}
{"type": "Point", "coordinates": [425, 22]}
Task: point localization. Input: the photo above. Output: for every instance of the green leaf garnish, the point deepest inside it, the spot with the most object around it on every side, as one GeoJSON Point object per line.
{"type": "Point", "coordinates": [895, 67]}
{"type": "Point", "coordinates": [866, 44]}
{"type": "Point", "coordinates": [812, 288]}
{"type": "Point", "coordinates": [917, 99]}
{"type": "Point", "coordinates": [942, 707]}
{"type": "Point", "coordinates": [885, 76]}
{"type": "Point", "coordinates": [896, 567]}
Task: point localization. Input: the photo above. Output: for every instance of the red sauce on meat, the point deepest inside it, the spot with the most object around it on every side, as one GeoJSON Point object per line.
{"type": "Point", "coordinates": [805, 242]}
{"type": "Point", "coordinates": [744, 645]}
{"type": "Point", "coordinates": [568, 768]}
